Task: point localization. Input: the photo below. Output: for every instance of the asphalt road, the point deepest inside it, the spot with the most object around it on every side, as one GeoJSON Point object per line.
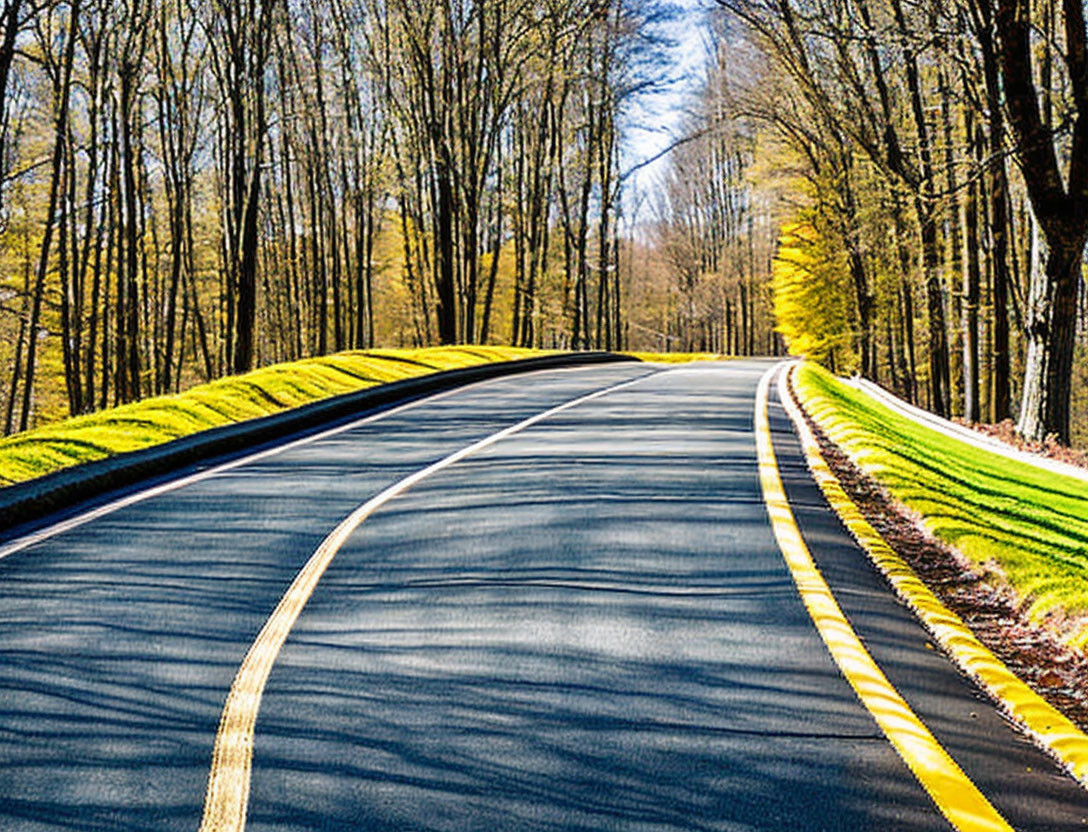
{"type": "Point", "coordinates": [586, 625]}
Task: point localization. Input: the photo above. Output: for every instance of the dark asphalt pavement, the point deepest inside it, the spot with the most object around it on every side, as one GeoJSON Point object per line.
{"type": "Point", "coordinates": [588, 625]}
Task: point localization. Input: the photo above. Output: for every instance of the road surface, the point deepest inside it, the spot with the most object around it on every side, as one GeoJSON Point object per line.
{"type": "Point", "coordinates": [584, 624]}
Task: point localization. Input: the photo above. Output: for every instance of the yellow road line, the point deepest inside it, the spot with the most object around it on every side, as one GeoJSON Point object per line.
{"type": "Point", "coordinates": [958, 799]}
{"type": "Point", "coordinates": [227, 796]}
{"type": "Point", "coordinates": [1050, 728]}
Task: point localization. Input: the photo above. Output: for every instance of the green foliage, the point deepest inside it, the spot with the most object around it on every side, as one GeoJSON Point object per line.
{"type": "Point", "coordinates": [235, 399]}
{"type": "Point", "coordinates": [1008, 517]}
{"type": "Point", "coordinates": [812, 301]}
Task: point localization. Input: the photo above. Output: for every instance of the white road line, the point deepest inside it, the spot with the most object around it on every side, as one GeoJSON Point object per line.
{"type": "Point", "coordinates": [70, 523]}
{"type": "Point", "coordinates": [227, 796]}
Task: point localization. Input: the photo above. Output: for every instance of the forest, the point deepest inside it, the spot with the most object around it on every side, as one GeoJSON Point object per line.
{"type": "Point", "coordinates": [939, 186]}
{"type": "Point", "coordinates": [193, 188]}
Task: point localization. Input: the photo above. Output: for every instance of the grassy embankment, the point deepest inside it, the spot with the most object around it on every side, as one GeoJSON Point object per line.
{"type": "Point", "coordinates": [260, 393]}
{"type": "Point", "coordinates": [234, 399]}
{"type": "Point", "coordinates": [1010, 518]}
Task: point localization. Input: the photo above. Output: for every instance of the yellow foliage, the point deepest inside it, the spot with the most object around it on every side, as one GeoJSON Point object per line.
{"type": "Point", "coordinates": [812, 302]}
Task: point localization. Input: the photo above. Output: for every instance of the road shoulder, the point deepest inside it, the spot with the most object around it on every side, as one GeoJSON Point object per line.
{"type": "Point", "coordinates": [860, 566]}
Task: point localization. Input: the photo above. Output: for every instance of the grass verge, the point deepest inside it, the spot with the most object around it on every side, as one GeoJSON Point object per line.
{"type": "Point", "coordinates": [1027, 526]}
{"type": "Point", "coordinates": [269, 390]}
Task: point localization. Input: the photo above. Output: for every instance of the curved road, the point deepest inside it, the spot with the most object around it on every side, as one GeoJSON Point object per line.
{"type": "Point", "coordinates": [586, 624]}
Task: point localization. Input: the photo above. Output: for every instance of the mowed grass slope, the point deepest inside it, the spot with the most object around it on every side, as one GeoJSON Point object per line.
{"type": "Point", "coordinates": [262, 392]}
{"type": "Point", "coordinates": [1026, 524]}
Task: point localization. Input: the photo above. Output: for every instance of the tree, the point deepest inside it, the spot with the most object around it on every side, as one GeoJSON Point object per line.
{"type": "Point", "coordinates": [61, 87]}
{"type": "Point", "coordinates": [242, 33]}
{"type": "Point", "coordinates": [1060, 204]}
{"type": "Point", "coordinates": [243, 182]}
{"type": "Point", "coordinates": [812, 298]}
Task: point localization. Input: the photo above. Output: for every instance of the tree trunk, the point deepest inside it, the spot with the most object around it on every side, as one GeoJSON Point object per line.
{"type": "Point", "coordinates": [938, 334]}
{"type": "Point", "coordinates": [9, 26]}
{"type": "Point", "coordinates": [246, 314]}
{"type": "Point", "coordinates": [60, 132]}
{"type": "Point", "coordinates": [1060, 205]}
{"type": "Point", "coordinates": [129, 389]}
{"type": "Point", "coordinates": [971, 283]}
{"type": "Point", "coordinates": [1050, 331]}
{"type": "Point", "coordinates": [445, 287]}
{"type": "Point", "coordinates": [997, 190]}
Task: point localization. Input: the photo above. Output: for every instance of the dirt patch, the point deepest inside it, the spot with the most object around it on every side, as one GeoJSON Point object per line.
{"type": "Point", "coordinates": [1055, 671]}
{"type": "Point", "coordinates": [1049, 448]}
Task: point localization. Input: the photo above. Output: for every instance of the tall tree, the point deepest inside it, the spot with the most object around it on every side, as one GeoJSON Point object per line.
{"type": "Point", "coordinates": [242, 34]}
{"type": "Point", "coordinates": [61, 89]}
{"type": "Point", "coordinates": [1059, 202]}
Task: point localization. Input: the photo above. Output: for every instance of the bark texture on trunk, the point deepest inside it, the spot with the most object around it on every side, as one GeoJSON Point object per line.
{"type": "Point", "coordinates": [1060, 205]}
{"type": "Point", "coordinates": [1050, 333]}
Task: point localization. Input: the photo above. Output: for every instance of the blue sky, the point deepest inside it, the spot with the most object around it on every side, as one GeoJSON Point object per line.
{"type": "Point", "coordinates": [657, 120]}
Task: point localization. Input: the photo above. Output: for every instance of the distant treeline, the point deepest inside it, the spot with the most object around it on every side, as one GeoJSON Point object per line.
{"type": "Point", "coordinates": [190, 188]}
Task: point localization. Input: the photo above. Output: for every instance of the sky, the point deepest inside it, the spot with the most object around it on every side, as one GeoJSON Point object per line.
{"type": "Point", "coordinates": [657, 119]}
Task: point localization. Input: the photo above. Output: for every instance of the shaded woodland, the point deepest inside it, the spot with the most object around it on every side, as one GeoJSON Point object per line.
{"type": "Point", "coordinates": [713, 223]}
{"type": "Point", "coordinates": [192, 188]}
{"type": "Point", "coordinates": [932, 178]}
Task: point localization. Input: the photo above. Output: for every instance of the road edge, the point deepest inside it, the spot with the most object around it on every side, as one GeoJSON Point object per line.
{"type": "Point", "coordinates": [953, 793]}
{"type": "Point", "coordinates": [962, 433]}
{"type": "Point", "coordinates": [1051, 730]}
{"type": "Point", "coordinates": [35, 499]}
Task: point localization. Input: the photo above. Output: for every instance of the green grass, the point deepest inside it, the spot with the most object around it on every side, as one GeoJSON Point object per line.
{"type": "Point", "coordinates": [262, 392]}
{"type": "Point", "coordinates": [1008, 517]}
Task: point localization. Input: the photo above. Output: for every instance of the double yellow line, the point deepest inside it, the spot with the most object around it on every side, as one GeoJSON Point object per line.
{"type": "Point", "coordinates": [227, 797]}
{"type": "Point", "coordinates": [1052, 730]}
{"type": "Point", "coordinates": [957, 798]}
{"type": "Point", "coordinates": [953, 793]}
